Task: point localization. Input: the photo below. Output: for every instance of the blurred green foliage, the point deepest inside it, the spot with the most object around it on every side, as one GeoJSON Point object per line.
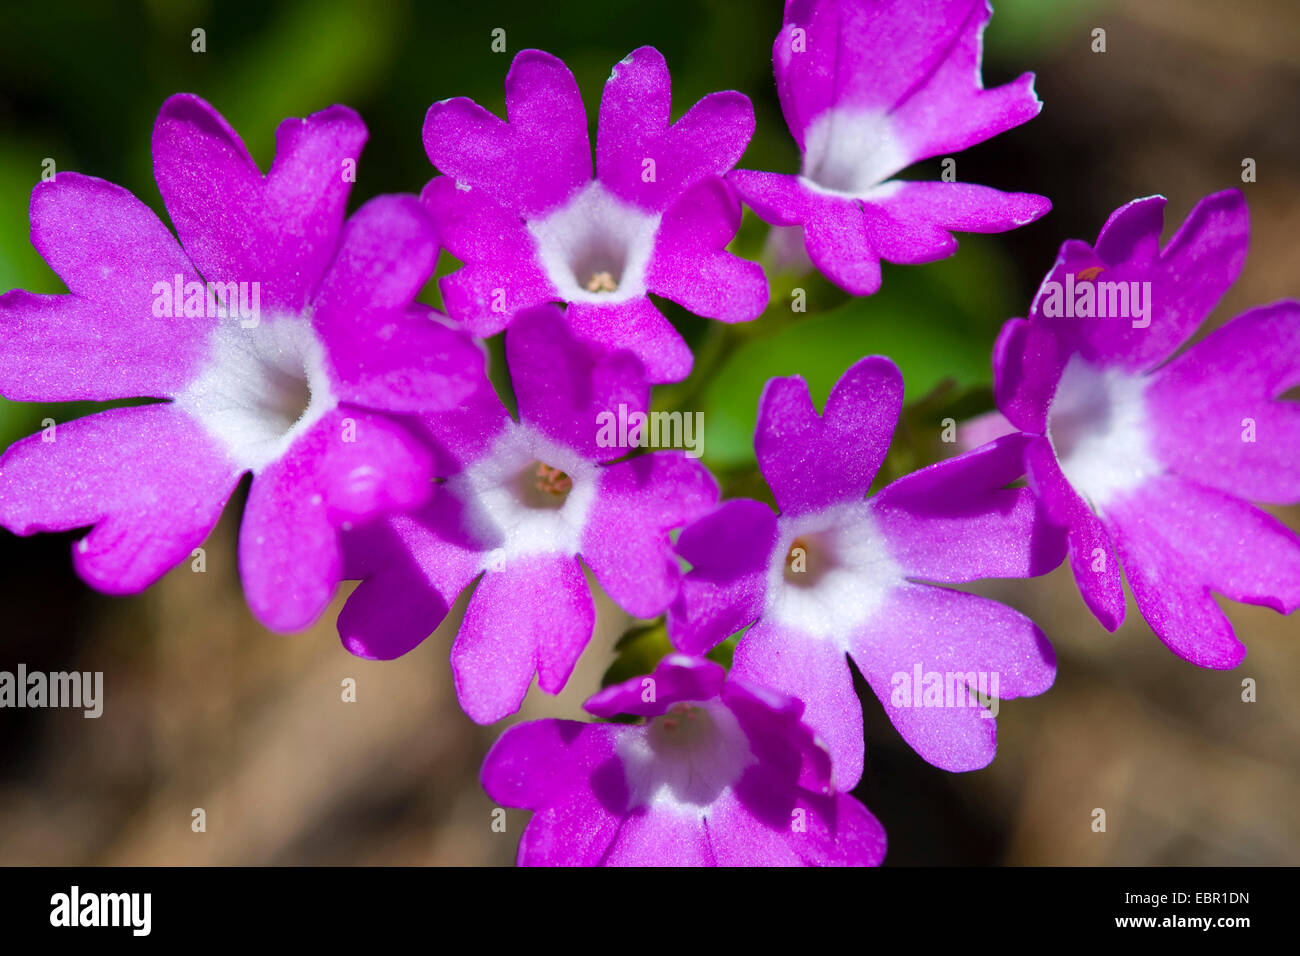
{"type": "Point", "coordinates": [936, 322]}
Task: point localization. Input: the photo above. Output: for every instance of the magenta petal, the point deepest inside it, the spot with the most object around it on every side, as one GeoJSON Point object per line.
{"type": "Point", "coordinates": [852, 835]}
{"type": "Point", "coordinates": [1187, 278]}
{"type": "Point", "coordinates": [383, 353]}
{"type": "Point", "coordinates": [350, 466]}
{"type": "Point", "coordinates": [729, 550]}
{"type": "Point", "coordinates": [902, 236]}
{"type": "Point", "coordinates": [1027, 363]}
{"type": "Point", "coordinates": [501, 274]}
{"type": "Point", "coordinates": [538, 763]}
{"type": "Point", "coordinates": [639, 327]}
{"type": "Point", "coordinates": [1220, 424]}
{"type": "Point", "coordinates": [934, 630]}
{"type": "Point", "coordinates": [661, 836]}
{"type": "Point", "coordinates": [819, 830]}
{"type": "Point", "coordinates": [532, 615]}
{"type": "Point", "coordinates": [864, 55]}
{"type": "Point", "coordinates": [634, 112]}
{"type": "Point", "coordinates": [103, 341]}
{"type": "Point", "coordinates": [737, 837]}
{"type": "Point", "coordinates": [561, 769]}
{"type": "Point", "coordinates": [460, 436]}
{"type": "Point", "coordinates": [544, 105]}
{"type": "Point", "coordinates": [280, 231]}
{"type": "Point", "coordinates": [691, 266]}
{"type": "Point", "coordinates": [1132, 232]}
{"type": "Point", "coordinates": [807, 85]}
{"type": "Point", "coordinates": [949, 110]}
{"type": "Point", "coordinates": [412, 576]}
{"type": "Point", "coordinates": [149, 479]}
{"type": "Point", "coordinates": [917, 63]}
{"type": "Point", "coordinates": [290, 560]}
{"type": "Point", "coordinates": [1092, 555]}
{"type": "Point", "coordinates": [780, 740]}
{"type": "Point", "coordinates": [625, 541]}
{"type": "Point", "coordinates": [812, 461]}
{"type": "Point", "coordinates": [362, 464]}
{"type": "Point", "coordinates": [676, 678]}
{"type": "Point", "coordinates": [1180, 541]}
{"type": "Point", "coordinates": [958, 521]}
{"type": "Point", "coordinates": [960, 207]}
{"type": "Point", "coordinates": [563, 385]}
{"type": "Point", "coordinates": [839, 245]}
{"type": "Point", "coordinates": [386, 255]}
{"type": "Point", "coordinates": [776, 197]}
{"type": "Point", "coordinates": [415, 361]}
{"type": "Point", "coordinates": [817, 672]}
{"type": "Point", "coordinates": [533, 162]}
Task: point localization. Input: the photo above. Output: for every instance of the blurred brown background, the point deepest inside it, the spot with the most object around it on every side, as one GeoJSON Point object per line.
{"type": "Point", "coordinates": [205, 709]}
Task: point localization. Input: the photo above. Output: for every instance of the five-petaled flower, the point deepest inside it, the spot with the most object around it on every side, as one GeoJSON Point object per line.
{"type": "Point", "coordinates": [720, 773]}
{"type": "Point", "coordinates": [521, 501]}
{"type": "Point", "coordinates": [855, 585]}
{"type": "Point", "coordinates": [520, 207]}
{"type": "Point", "coordinates": [301, 394]}
{"type": "Point", "coordinates": [868, 88]}
{"type": "Point", "coordinates": [1153, 459]}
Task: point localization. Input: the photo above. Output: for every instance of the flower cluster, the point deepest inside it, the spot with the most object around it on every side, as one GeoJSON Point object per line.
{"type": "Point", "coordinates": [274, 336]}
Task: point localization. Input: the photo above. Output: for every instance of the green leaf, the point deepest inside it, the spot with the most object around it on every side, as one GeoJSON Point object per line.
{"type": "Point", "coordinates": [639, 650]}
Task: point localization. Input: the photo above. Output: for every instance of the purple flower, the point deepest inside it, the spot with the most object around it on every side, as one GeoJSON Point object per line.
{"type": "Point", "coordinates": [520, 207]}
{"type": "Point", "coordinates": [838, 574]}
{"type": "Point", "coordinates": [520, 502]}
{"type": "Point", "coordinates": [1150, 459]}
{"type": "Point", "coordinates": [281, 337]}
{"type": "Point", "coordinates": [720, 774]}
{"type": "Point", "coordinates": [869, 88]}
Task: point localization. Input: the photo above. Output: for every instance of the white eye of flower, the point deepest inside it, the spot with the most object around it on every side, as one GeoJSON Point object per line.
{"type": "Point", "coordinates": [261, 388]}
{"type": "Point", "coordinates": [850, 152]}
{"type": "Point", "coordinates": [686, 757]}
{"type": "Point", "coordinates": [596, 248]}
{"type": "Point", "coordinates": [527, 495]}
{"type": "Point", "coordinates": [830, 572]}
{"type": "Point", "coordinates": [1098, 426]}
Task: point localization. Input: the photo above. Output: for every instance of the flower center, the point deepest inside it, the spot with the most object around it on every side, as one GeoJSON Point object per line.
{"type": "Point", "coordinates": [810, 558]}
{"type": "Point", "coordinates": [527, 495]}
{"type": "Point", "coordinates": [1098, 426]}
{"type": "Point", "coordinates": [602, 281]}
{"type": "Point", "coordinates": [686, 757]}
{"type": "Point", "coordinates": [684, 726]}
{"type": "Point", "coordinates": [596, 248]}
{"type": "Point", "coordinates": [542, 486]}
{"type": "Point", "coordinates": [261, 388]}
{"type": "Point", "coordinates": [848, 152]}
{"type": "Point", "coordinates": [834, 573]}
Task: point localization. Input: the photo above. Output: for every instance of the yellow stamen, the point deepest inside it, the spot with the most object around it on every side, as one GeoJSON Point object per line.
{"type": "Point", "coordinates": [552, 481]}
{"type": "Point", "coordinates": [602, 282]}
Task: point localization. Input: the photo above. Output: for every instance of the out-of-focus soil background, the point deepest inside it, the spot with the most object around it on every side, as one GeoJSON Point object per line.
{"type": "Point", "coordinates": [206, 709]}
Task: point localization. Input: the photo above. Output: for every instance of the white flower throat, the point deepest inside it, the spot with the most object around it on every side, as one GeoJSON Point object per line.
{"type": "Point", "coordinates": [260, 388]}
{"type": "Point", "coordinates": [596, 248]}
